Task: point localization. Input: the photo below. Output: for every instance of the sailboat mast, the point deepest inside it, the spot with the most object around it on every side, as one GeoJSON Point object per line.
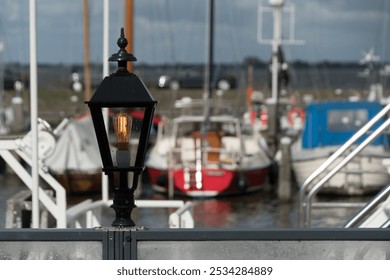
{"type": "Point", "coordinates": [277, 7]}
{"type": "Point", "coordinates": [129, 22]}
{"type": "Point", "coordinates": [208, 75]}
{"type": "Point", "coordinates": [207, 95]}
{"type": "Point", "coordinates": [1, 71]}
{"type": "Point", "coordinates": [209, 52]}
{"type": "Point", "coordinates": [276, 42]}
{"type": "Point", "coordinates": [87, 71]}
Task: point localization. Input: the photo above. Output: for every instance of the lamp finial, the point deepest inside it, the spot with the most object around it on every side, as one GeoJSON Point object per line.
{"type": "Point", "coordinates": [122, 56]}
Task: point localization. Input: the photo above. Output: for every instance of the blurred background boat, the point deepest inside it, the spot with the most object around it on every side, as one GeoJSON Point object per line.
{"type": "Point", "coordinates": [330, 124]}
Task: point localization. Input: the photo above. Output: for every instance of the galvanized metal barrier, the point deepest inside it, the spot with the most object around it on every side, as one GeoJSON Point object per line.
{"type": "Point", "coordinates": [376, 213]}
{"type": "Point", "coordinates": [191, 244]}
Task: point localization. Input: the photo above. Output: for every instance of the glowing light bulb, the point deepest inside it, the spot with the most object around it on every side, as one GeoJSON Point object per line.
{"type": "Point", "coordinates": [122, 126]}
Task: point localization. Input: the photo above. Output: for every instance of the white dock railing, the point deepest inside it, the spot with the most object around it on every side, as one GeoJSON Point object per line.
{"type": "Point", "coordinates": [88, 213]}
{"type": "Point", "coordinates": [57, 206]}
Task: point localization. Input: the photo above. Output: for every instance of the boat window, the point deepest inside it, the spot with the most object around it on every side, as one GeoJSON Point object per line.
{"type": "Point", "coordinates": [346, 120]}
{"type": "Point", "coordinates": [186, 129]}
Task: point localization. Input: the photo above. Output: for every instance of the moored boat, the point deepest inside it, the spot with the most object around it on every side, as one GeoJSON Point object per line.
{"type": "Point", "coordinates": [328, 125]}
{"type": "Point", "coordinates": [223, 159]}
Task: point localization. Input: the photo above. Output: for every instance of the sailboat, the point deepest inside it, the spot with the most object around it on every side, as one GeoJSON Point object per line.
{"type": "Point", "coordinates": [328, 126]}
{"type": "Point", "coordinates": [209, 154]}
{"type": "Point", "coordinates": [227, 159]}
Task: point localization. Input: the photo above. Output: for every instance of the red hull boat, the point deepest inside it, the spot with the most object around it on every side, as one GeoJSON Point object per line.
{"type": "Point", "coordinates": [223, 160]}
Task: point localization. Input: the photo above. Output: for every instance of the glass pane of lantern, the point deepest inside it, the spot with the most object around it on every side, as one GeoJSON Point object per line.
{"type": "Point", "coordinates": [124, 134]}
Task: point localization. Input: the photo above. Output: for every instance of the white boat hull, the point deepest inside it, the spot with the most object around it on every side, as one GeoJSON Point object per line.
{"type": "Point", "coordinates": [364, 174]}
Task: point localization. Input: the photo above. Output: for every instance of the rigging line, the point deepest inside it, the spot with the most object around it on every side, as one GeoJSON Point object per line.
{"type": "Point", "coordinates": [71, 23]}
{"type": "Point", "coordinates": [120, 17]}
{"type": "Point", "coordinates": [170, 33]}
{"type": "Point", "coordinates": [314, 73]}
{"type": "Point", "coordinates": [151, 18]}
{"type": "Point", "coordinates": [95, 31]}
{"type": "Point", "coordinates": [190, 34]}
{"type": "Point", "coordinates": [236, 47]}
{"type": "Point", "coordinates": [171, 51]}
{"type": "Point", "coordinates": [161, 11]}
{"type": "Point", "coordinates": [1, 27]}
{"type": "Point", "coordinates": [139, 25]}
{"type": "Point", "coordinates": [21, 39]}
{"type": "Point", "coordinates": [322, 70]}
{"type": "Point", "coordinates": [153, 15]}
{"type": "Point", "coordinates": [291, 53]}
{"type": "Point", "coordinates": [384, 37]}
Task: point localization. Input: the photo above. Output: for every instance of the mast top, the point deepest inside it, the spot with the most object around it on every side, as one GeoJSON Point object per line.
{"type": "Point", "coordinates": [276, 3]}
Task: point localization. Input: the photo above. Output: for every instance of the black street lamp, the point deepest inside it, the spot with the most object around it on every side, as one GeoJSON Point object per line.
{"type": "Point", "coordinates": [122, 93]}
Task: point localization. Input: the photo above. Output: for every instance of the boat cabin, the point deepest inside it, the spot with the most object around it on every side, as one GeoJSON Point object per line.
{"type": "Point", "coordinates": [332, 123]}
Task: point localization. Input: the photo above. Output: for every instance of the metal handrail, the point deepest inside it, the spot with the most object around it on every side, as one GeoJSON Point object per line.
{"type": "Point", "coordinates": [337, 168]}
{"type": "Point", "coordinates": [305, 204]}
{"type": "Point", "coordinates": [88, 214]}
{"type": "Point", "coordinates": [56, 207]}
{"type": "Point", "coordinates": [386, 224]}
{"type": "Point", "coordinates": [370, 206]}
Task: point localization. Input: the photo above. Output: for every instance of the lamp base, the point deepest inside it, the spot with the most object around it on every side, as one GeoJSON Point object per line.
{"type": "Point", "coordinates": [123, 223]}
{"type": "Point", "coordinates": [123, 205]}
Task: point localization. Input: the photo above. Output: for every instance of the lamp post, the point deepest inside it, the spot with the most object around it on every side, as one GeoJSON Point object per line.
{"type": "Point", "coordinates": [122, 93]}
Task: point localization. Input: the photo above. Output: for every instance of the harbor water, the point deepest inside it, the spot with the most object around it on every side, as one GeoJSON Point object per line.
{"type": "Point", "coordinates": [255, 210]}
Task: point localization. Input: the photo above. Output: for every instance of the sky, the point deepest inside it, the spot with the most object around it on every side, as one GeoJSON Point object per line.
{"type": "Point", "coordinates": [174, 31]}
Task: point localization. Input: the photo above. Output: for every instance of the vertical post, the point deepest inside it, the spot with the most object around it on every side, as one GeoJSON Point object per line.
{"type": "Point", "coordinates": [277, 37]}
{"type": "Point", "coordinates": [3, 127]}
{"type": "Point", "coordinates": [209, 52]}
{"type": "Point", "coordinates": [249, 92]}
{"type": "Point", "coordinates": [277, 7]}
{"type": "Point", "coordinates": [17, 108]}
{"type": "Point", "coordinates": [106, 9]}
{"type": "Point", "coordinates": [106, 49]}
{"type": "Point", "coordinates": [87, 72]}
{"type": "Point", "coordinates": [34, 113]}
{"type": "Point", "coordinates": [208, 75]}
{"type": "Point", "coordinates": [171, 190]}
{"type": "Point", "coordinates": [276, 42]}
{"type": "Point", "coordinates": [1, 71]}
{"type": "Point", "coordinates": [123, 202]}
{"type": "Point", "coordinates": [284, 180]}
{"type": "Point", "coordinates": [129, 11]}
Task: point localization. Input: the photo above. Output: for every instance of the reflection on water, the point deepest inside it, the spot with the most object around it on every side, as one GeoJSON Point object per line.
{"type": "Point", "coordinates": [255, 210]}
{"type": "Point", "coordinates": [258, 210]}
